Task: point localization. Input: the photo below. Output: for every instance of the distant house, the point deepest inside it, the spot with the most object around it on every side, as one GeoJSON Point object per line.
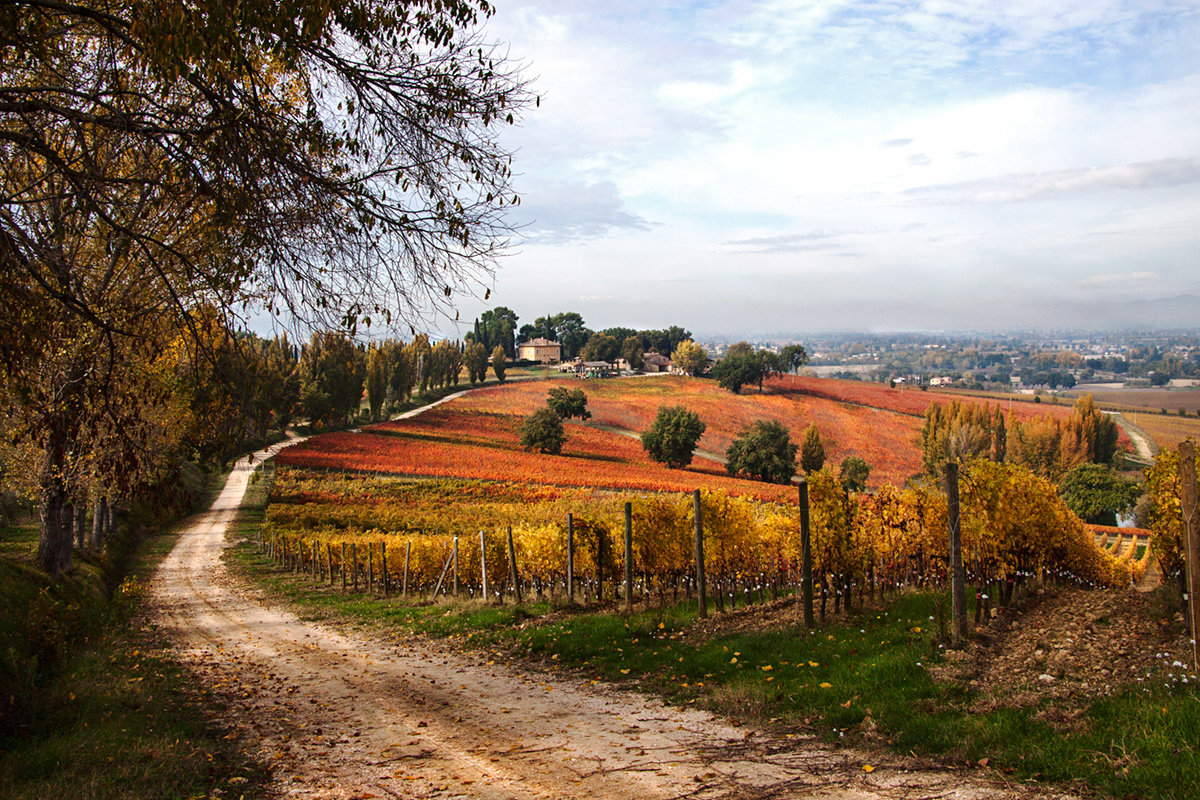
{"type": "Point", "coordinates": [941, 380]}
{"type": "Point", "coordinates": [541, 350]}
{"type": "Point", "coordinates": [656, 362]}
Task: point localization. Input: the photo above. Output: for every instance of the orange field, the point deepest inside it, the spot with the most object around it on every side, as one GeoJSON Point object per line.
{"type": "Point", "coordinates": [1166, 430]}
{"type": "Point", "coordinates": [458, 440]}
{"type": "Point", "coordinates": [476, 436]}
{"type": "Point", "coordinates": [884, 439]}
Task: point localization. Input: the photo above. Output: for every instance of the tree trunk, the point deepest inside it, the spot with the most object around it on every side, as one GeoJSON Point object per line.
{"type": "Point", "coordinates": [54, 542]}
{"type": "Point", "coordinates": [80, 525]}
{"type": "Point", "coordinates": [99, 525]}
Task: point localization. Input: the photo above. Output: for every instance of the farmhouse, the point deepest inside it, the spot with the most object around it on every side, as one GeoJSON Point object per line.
{"type": "Point", "coordinates": [541, 350]}
{"type": "Point", "coordinates": [656, 362]}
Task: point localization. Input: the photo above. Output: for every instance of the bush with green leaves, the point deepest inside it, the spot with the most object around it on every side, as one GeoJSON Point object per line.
{"type": "Point", "coordinates": [765, 452]}
{"type": "Point", "coordinates": [812, 451]}
{"type": "Point", "coordinates": [543, 431]}
{"type": "Point", "coordinates": [568, 403]}
{"type": "Point", "coordinates": [672, 439]}
{"type": "Point", "coordinates": [1097, 494]}
{"type": "Point", "coordinates": [853, 474]}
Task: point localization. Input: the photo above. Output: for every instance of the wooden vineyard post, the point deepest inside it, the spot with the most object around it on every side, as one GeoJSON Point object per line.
{"type": "Point", "coordinates": [600, 567]}
{"type": "Point", "coordinates": [342, 567]}
{"type": "Point", "coordinates": [407, 558]}
{"type": "Point", "coordinates": [483, 565]}
{"type": "Point", "coordinates": [442, 577]}
{"type": "Point", "coordinates": [383, 565]}
{"type": "Point", "coordinates": [329, 560]}
{"type": "Point", "coordinates": [958, 578]}
{"type": "Point", "coordinates": [700, 585]}
{"type": "Point", "coordinates": [370, 569]}
{"type": "Point", "coordinates": [570, 557]}
{"type": "Point", "coordinates": [1191, 542]}
{"type": "Point", "coordinates": [629, 557]}
{"type": "Point", "coordinates": [354, 559]}
{"type": "Point", "coordinates": [806, 579]}
{"type": "Point", "coordinates": [454, 557]}
{"type": "Point", "coordinates": [512, 566]}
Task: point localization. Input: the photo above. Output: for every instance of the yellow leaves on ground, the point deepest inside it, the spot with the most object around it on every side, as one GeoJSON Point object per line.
{"type": "Point", "coordinates": [868, 768]}
{"type": "Point", "coordinates": [826, 685]}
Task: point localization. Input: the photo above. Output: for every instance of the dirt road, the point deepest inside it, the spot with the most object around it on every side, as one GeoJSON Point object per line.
{"type": "Point", "coordinates": [344, 715]}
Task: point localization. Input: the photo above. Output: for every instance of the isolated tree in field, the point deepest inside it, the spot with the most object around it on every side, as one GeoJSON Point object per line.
{"type": "Point", "coordinates": [543, 431]}
{"type": "Point", "coordinates": [1097, 494]}
{"type": "Point", "coordinates": [632, 352]}
{"type": "Point", "coordinates": [812, 451]}
{"type": "Point", "coordinates": [673, 437]}
{"type": "Point", "coordinates": [689, 357]}
{"type": "Point", "coordinates": [765, 452]}
{"type": "Point", "coordinates": [568, 403]}
{"type": "Point", "coordinates": [499, 362]}
{"type": "Point", "coordinates": [853, 474]}
{"type": "Point", "coordinates": [793, 357]}
{"type": "Point", "coordinates": [770, 364]}
{"type": "Point", "coordinates": [738, 369]}
{"type": "Point", "coordinates": [476, 360]}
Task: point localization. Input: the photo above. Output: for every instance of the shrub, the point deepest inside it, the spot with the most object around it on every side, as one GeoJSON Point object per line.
{"type": "Point", "coordinates": [543, 431]}
{"type": "Point", "coordinates": [672, 439]}
{"type": "Point", "coordinates": [765, 451]}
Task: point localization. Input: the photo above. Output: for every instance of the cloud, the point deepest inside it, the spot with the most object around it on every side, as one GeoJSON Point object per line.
{"type": "Point", "coordinates": [787, 243]}
{"type": "Point", "coordinates": [919, 160]}
{"type": "Point", "coordinates": [896, 143]}
{"type": "Point", "coordinates": [1167, 172]}
{"type": "Point", "coordinates": [567, 212]}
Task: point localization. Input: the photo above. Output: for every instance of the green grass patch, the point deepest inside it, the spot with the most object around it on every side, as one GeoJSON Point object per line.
{"type": "Point", "coordinates": [93, 705]}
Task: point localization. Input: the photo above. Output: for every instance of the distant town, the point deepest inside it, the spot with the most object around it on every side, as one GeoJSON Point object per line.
{"type": "Point", "coordinates": [1030, 362]}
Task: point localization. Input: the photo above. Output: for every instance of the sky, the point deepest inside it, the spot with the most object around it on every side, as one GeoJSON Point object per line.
{"type": "Point", "coordinates": [752, 168]}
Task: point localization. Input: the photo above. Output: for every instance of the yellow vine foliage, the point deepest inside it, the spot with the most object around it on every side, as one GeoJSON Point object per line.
{"type": "Point", "coordinates": [1012, 523]}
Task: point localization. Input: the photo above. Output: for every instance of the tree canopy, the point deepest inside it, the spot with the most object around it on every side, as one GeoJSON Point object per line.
{"type": "Point", "coordinates": [812, 450]}
{"type": "Point", "coordinates": [765, 452]}
{"type": "Point", "coordinates": [543, 431]}
{"type": "Point", "coordinates": [1097, 494]}
{"type": "Point", "coordinates": [690, 357]}
{"type": "Point", "coordinates": [853, 474]}
{"type": "Point", "coordinates": [164, 163]}
{"type": "Point", "coordinates": [743, 365]}
{"type": "Point", "coordinates": [568, 403]}
{"type": "Point", "coordinates": [673, 436]}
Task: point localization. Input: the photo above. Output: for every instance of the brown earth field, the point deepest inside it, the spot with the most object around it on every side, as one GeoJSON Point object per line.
{"type": "Point", "coordinates": [1150, 399]}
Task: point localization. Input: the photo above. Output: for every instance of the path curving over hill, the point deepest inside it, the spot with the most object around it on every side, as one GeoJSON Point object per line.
{"type": "Point", "coordinates": [348, 715]}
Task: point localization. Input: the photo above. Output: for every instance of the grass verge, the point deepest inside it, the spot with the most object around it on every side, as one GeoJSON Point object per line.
{"type": "Point", "coordinates": [96, 705]}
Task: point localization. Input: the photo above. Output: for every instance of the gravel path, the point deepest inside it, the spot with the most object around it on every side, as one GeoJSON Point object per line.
{"type": "Point", "coordinates": [347, 715]}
